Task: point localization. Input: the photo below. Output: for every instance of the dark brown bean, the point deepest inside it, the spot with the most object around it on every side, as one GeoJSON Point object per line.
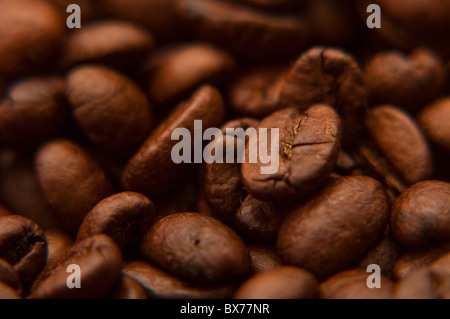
{"type": "Point", "coordinates": [114, 43]}
{"type": "Point", "coordinates": [336, 227]}
{"type": "Point", "coordinates": [263, 258]}
{"type": "Point", "coordinates": [23, 245]}
{"type": "Point", "coordinates": [178, 72]}
{"type": "Point", "coordinates": [72, 181]}
{"type": "Point", "coordinates": [433, 121]}
{"type": "Point", "coordinates": [221, 182]}
{"type": "Point", "coordinates": [10, 276]}
{"type": "Point", "coordinates": [308, 148]}
{"type": "Point", "coordinates": [154, 160]}
{"type": "Point", "coordinates": [196, 247]}
{"type": "Point", "coordinates": [162, 285]}
{"type": "Point", "coordinates": [20, 191]}
{"type": "Point", "coordinates": [329, 76]}
{"type": "Point", "coordinates": [259, 221]}
{"type": "Point", "coordinates": [32, 111]}
{"type": "Point", "coordinates": [123, 216]}
{"type": "Point", "coordinates": [352, 284]}
{"type": "Point", "coordinates": [256, 91]}
{"type": "Point", "coordinates": [284, 282]}
{"type": "Point", "coordinates": [31, 34]}
{"type": "Point", "coordinates": [278, 36]}
{"type": "Point", "coordinates": [128, 288]}
{"type": "Point", "coordinates": [58, 244]}
{"type": "Point", "coordinates": [110, 108]}
{"type": "Point", "coordinates": [6, 292]}
{"type": "Point", "coordinates": [422, 213]}
{"type": "Point", "coordinates": [409, 82]}
{"type": "Point", "coordinates": [97, 257]}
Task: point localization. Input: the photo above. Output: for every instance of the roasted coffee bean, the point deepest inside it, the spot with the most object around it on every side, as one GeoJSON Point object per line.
{"type": "Point", "coordinates": [256, 91]}
{"type": "Point", "coordinates": [6, 292]}
{"type": "Point", "coordinates": [422, 213]}
{"type": "Point", "coordinates": [221, 182]}
{"type": "Point", "coordinates": [278, 36]}
{"type": "Point", "coordinates": [352, 284]}
{"type": "Point", "coordinates": [384, 255]}
{"type": "Point", "coordinates": [98, 257]}
{"type": "Point", "coordinates": [72, 181]}
{"type": "Point", "coordinates": [418, 256]}
{"type": "Point", "coordinates": [31, 34]}
{"type": "Point", "coordinates": [32, 111]}
{"type": "Point", "coordinates": [23, 245]}
{"type": "Point", "coordinates": [308, 148]}
{"type": "Point", "coordinates": [409, 82]}
{"type": "Point", "coordinates": [154, 160]}
{"type": "Point", "coordinates": [433, 121]}
{"type": "Point", "coordinates": [329, 76]}
{"type": "Point", "coordinates": [10, 276]}
{"type": "Point", "coordinates": [263, 258]}
{"type": "Point", "coordinates": [128, 288]}
{"type": "Point", "coordinates": [156, 15]}
{"type": "Point", "coordinates": [284, 282]}
{"type": "Point", "coordinates": [397, 150]}
{"type": "Point", "coordinates": [259, 221]}
{"type": "Point", "coordinates": [162, 285]}
{"type": "Point", "coordinates": [20, 191]}
{"type": "Point", "coordinates": [123, 216]}
{"type": "Point", "coordinates": [97, 93]}
{"type": "Point", "coordinates": [336, 227]}
{"type": "Point", "coordinates": [197, 247]}
{"type": "Point", "coordinates": [270, 5]}
{"type": "Point", "coordinates": [58, 244]}
{"type": "Point", "coordinates": [114, 43]}
{"type": "Point", "coordinates": [178, 72]}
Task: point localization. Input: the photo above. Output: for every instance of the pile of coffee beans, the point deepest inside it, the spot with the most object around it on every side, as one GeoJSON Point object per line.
{"type": "Point", "coordinates": [93, 203]}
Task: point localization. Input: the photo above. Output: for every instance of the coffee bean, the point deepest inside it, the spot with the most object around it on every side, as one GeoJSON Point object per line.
{"type": "Point", "coordinates": [58, 244]}
{"type": "Point", "coordinates": [409, 82]}
{"type": "Point", "coordinates": [418, 256]}
{"type": "Point", "coordinates": [221, 182]}
{"type": "Point", "coordinates": [178, 72]}
{"type": "Point", "coordinates": [123, 216]}
{"type": "Point", "coordinates": [352, 284]}
{"type": "Point", "coordinates": [23, 245]}
{"type": "Point", "coordinates": [418, 284]}
{"type": "Point", "coordinates": [329, 76]}
{"type": "Point", "coordinates": [114, 43]}
{"type": "Point", "coordinates": [128, 288]}
{"type": "Point", "coordinates": [256, 91]}
{"type": "Point", "coordinates": [20, 191]}
{"type": "Point", "coordinates": [196, 247]}
{"type": "Point", "coordinates": [260, 221]}
{"type": "Point", "coordinates": [72, 181]}
{"type": "Point", "coordinates": [331, 231]}
{"type": "Point", "coordinates": [154, 160]}
{"type": "Point", "coordinates": [433, 121]}
{"type": "Point", "coordinates": [97, 257]}
{"type": "Point", "coordinates": [308, 148]}
{"type": "Point", "coordinates": [270, 5]}
{"type": "Point", "coordinates": [9, 276]}
{"type": "Point", "coordinates": [96, 93]}
{"type": "Point", "coordinates": [31, 34]}
{"type": "Point", "coordinates": [278, 36]}
{"type": "Point", "coordinates": [422, 213]}
{"type": "Point", "coordinates": [397, 150]}
{"type": "Point", "coordinates": [32, 111]}
{"type": "Point", "coordinates": [162, 285]}
{"type": "Point", "coordinates": [284, 282]}
{"type": "Point", "coordinates": [264, 258]}
{"type": "Point", "coordinates": [384, 254]}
